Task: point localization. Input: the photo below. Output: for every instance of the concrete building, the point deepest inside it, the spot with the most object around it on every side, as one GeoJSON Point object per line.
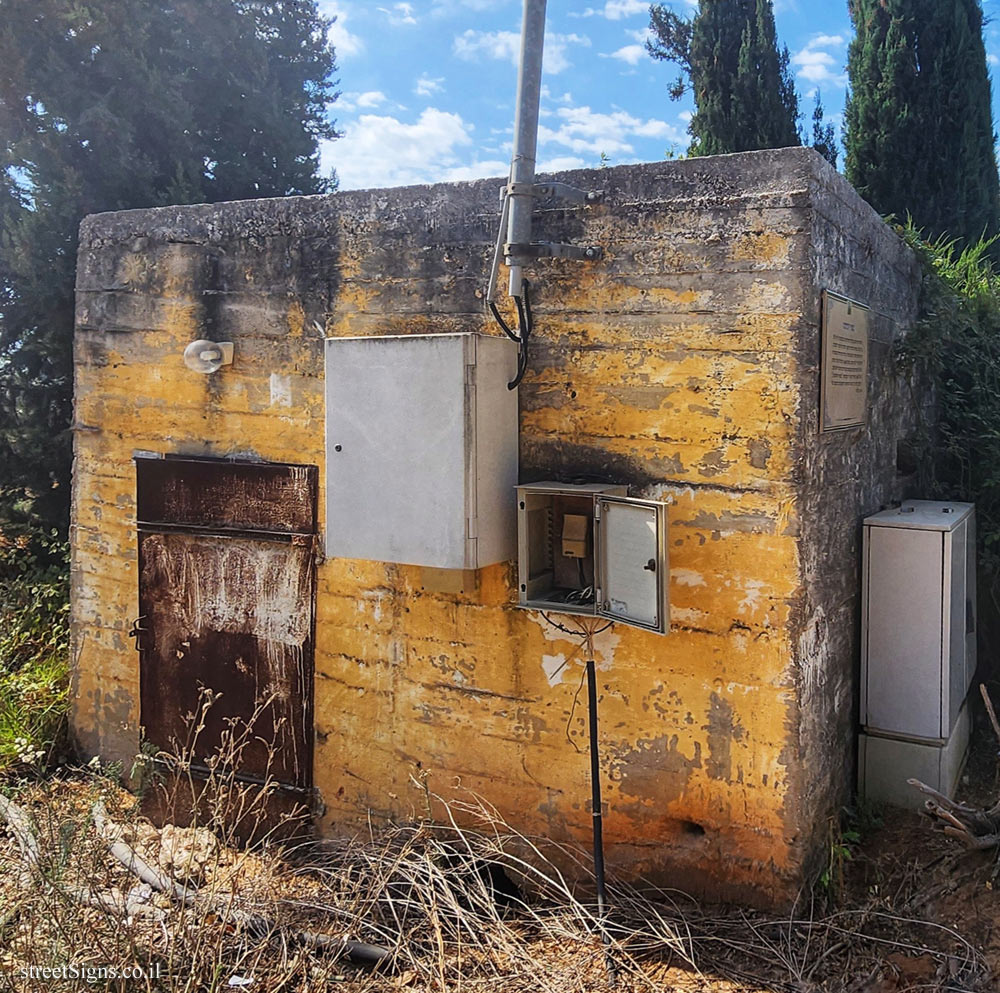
{"type": "Point", "coordinates": [685, 365]}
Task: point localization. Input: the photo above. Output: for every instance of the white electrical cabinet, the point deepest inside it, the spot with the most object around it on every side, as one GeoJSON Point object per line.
{"type": "Point", "coordinates": [421, 449]}
{"type": "Point", "coordinates": [590, 549]}
{"type": "Point", "coordinates": [918, 618]}
{"type": "Point", "coordinates": [885, 764]}
{"type": "Point", "coordinates": [918, 648]}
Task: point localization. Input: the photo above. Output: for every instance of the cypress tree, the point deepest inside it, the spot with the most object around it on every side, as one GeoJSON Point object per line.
{"type": "Point", "coordinates": [743, 90]}
{"type": "Point", "coordinates": [119, 104]}
{"type": "Point", "coordinates": [824, 138]}
{"type": "Point", "coordinates": [918, 125]}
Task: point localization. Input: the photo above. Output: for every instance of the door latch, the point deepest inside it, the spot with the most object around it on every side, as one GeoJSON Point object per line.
{"type": "Point", "coordinates": [650, 566]}
{"type": "Point", "coordinates": [137, 632]}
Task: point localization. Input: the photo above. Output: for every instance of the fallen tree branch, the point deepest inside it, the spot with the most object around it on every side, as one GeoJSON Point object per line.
{"type": "Point", "coordinates": [977, 828]}
{"type": "Point", "coordinates": [20, 826]}
{"type": "Point", "coordinates": [257, 925]}
{"type": "Point", "coordinates": [990, 711]}
{"type": "Point", "coordinates": [262, 928]}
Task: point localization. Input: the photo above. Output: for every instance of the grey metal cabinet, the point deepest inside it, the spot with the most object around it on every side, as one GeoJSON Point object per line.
{"type": "Point", "coordinates": [421, 449]}
{"type": "Point", "coordinates": [918, 618]}
{"type": "Point", "coordinates": [590, 549]}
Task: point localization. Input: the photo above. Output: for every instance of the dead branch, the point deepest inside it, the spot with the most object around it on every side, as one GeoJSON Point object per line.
{"type": "Point", "coordinates": [20, 826]}
{"type": "Point", "coordinates": [255, 924]}
{"type": "Point", "coordinates": [990, 711]}
{"type": "Point", "coordinates": [977, 829]}
{"type": "Point", "coordinates": [135, 864]}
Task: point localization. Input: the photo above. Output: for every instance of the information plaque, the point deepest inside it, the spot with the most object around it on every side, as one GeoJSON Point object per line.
{"type": "Point", "coordinates": [844, 368]}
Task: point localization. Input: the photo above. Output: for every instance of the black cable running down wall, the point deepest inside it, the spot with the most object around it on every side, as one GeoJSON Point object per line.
{"type": "Point", "coordinates": [526, 321]}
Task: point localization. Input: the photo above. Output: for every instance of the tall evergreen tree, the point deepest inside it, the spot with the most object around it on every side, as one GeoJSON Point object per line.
{"type": "Point", "coordinates": [919, 134]}
{"type": "Point", "coordinates": [112, 104]}
{"type": "Point", "coordinates": [824, 138]}
{"type": "Point", "coordinates": [728, 55]}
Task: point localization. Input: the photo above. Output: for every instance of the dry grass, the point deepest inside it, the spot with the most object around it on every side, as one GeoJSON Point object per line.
{"type": "Point", "coordinates": [461, 900]}
{"type": "Point", "coordinates": [437, 894]}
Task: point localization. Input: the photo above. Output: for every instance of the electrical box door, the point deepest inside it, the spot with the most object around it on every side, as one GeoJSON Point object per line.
{"type": "Point", "coordinates": [421, 449]}
{"type": "Point", "coordinates": [590, 549]}
{"type": "Point", "coordinates": [631, 555]}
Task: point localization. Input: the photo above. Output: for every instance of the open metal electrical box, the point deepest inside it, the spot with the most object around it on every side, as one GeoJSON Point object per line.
{"type": "Point", "coordinates": [591, 549]}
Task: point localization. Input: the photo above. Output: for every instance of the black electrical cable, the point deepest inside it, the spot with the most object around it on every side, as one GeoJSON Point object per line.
{"type": "Point", "coordinates": [526, 321]}
{"type": "Point", "coordinates": [525, 318]}
{"type": "Point", "coordinates": [577, 632]}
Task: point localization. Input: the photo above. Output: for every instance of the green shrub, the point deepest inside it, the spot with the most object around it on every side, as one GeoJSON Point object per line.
{"type": "Point", "coordinates": [955, 349]}
{"type": "Point", "coordinates": [34, 648]}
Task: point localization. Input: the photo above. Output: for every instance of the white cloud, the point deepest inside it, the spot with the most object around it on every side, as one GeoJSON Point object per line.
{"type": "Point", "coordinates": [351, 101]}
{"type": "Point", "coordinates": [560, 163]}
{"type": "Point", "coordinates": [476, 170]}
{"type": "Point", "coordinates": [447, 8]}
{"type": "Point", "coordinates": [632, 54]}
{"type": "Point", "coordinates": [547, 94]}
{"type": "Point", "coordinates": [474, 45]}
{"type": "Point", "coordinates": [581, 130]}
{"type": "Point", "coordinates": [993, 59]}
{"type": "Point", "coordinates": [816, 65]}
{"type": "Point", "coordinates": [828, 40]}
{"type": "Point", "coordinates": [344, 41]}
{"type": "Point", "coordinates": [399, 13]}
{"type": "Point", "coordinates": [615, 10]}
{"type": "Point", "coordinates": [427, 86]}
{"type": "Point", "coordinates": [379, 150]}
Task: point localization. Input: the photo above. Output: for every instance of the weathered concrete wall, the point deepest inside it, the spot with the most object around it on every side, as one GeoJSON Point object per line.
{"type": "Point", "coordinates": [845, 475]}
{"type": "Point", "coordinates": [685, 364]}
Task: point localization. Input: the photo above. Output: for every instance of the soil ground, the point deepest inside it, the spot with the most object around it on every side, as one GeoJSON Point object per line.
{"type": "Point", "coordinates": [917, 910]}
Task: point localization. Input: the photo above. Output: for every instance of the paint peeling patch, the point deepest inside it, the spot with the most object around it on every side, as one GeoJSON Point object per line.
{"type": "Point", "coordinates": [554, 667]}
{"type": "Point", "coordinates": [375, 597]}
{"type": "Point", "coordinates": [713, 463]}
{"type": "Point", "coordinates": [687, 615]}
{"type": "Point", "coordinates": [752, 523]}
{"type": "Point", "coordinates": [752, 600]}
{"type": "Point", "coordinates": [281, 390]}
{"type": "Point", "coordinates": [605, 644]}
{"type": "Point", "coordinates": [759, 451]}
{"type": "Point", "coordinates": [687, 577]}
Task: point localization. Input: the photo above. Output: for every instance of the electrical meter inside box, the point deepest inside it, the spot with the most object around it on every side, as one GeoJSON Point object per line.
{"type": "Point", "coordinates": [590, 549]}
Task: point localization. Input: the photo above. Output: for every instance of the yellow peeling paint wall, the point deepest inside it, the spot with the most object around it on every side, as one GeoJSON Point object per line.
{"type": "Point", "coordinates": [681, 365]}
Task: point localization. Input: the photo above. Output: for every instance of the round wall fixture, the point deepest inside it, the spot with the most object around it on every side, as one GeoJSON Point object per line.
{"type": "Point", "coordinates": [206, 356]}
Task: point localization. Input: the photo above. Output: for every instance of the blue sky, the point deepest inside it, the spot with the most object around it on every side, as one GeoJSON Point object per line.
{"type": "Point", "coordinates": [427, 86]}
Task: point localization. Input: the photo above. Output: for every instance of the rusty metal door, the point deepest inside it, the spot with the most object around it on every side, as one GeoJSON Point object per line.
{"type": "Point", "coordinates": [227, 604]}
